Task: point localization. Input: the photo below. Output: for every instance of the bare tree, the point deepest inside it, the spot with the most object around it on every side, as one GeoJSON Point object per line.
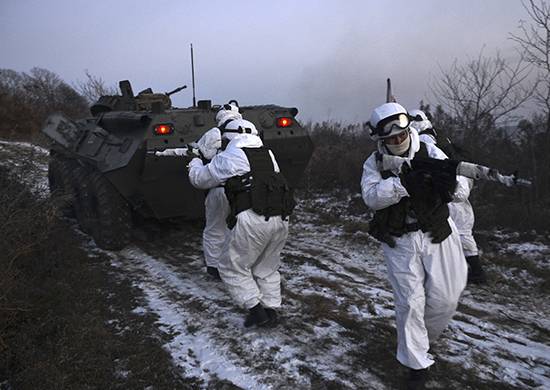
{"type": "Point", "coordinates": [534, 38]}
{"type": "Point", "coordinates": [48, 93]}
{"type": "Point", "coordinates": [483, 91]}
{"type": "Point", "coordinates": [93, 87]}
{"type": "Point", "coordinates": [26, 99]}
{"type": "Point", "coordinates": [41, 86]}
{"type": "Point", "coordinates": [10, 82]}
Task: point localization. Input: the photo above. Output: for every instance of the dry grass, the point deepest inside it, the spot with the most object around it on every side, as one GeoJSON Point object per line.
{"type": "Point", "coordinates": [61, 325]}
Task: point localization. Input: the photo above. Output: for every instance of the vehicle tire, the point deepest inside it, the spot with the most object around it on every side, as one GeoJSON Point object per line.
{"type": "Point", "coordinates": [105, 214]}
{"type": "Point", "coordinates": [61, 189]}
{"type": "Point", "coordinates": [80, 189]}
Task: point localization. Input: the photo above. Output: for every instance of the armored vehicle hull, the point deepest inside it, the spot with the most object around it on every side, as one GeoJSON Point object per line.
{"type": "Point", "coordinates": [105, 171]}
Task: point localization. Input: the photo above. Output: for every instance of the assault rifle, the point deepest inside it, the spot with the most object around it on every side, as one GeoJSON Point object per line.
{"type": "Point", "coordinates": [463, 168]}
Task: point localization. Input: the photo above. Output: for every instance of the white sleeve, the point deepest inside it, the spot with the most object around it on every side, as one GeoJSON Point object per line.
{"type": "Point", "coordinates": [210, 143]}
{"type": "Point", "coordinates": [200, 176]}
{"type": "Point", "coordinates": [463, 188]}
{"type": "Point", "coordinates": [380, 193]}
{"type": "Point", "coordinates": [231, 162]}
{"type": "Point", "coordinates": [435, 152]}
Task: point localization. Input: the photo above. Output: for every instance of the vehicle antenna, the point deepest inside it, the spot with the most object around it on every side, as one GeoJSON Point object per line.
{"type": "Point", "coordinates": [193, 76]}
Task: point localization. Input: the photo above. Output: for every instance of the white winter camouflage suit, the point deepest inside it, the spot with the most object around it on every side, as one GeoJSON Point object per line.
{"type": "Point", "coordinates": [216, 207]}
{"type": "Point", "coordinates": [427, 278]}
{"type": "Point", "coordinates": [461, 210]}
{"type": "Point", "coordinates": [216, 210]}
{"type": "Point", "coordinates": [250, 259]}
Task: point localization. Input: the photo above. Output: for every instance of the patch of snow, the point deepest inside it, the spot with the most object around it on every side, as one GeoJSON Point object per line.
{"type": "Point", "coordinates": [21, 154]}
{"type": "Point", "coordinates": [139, 310]}
{"type": "Point", "coordinates": [196, 353]}
{"type": "Point", "coordinates": [528, 249]}
{"type": "Point", "coordinates": [27, 145]}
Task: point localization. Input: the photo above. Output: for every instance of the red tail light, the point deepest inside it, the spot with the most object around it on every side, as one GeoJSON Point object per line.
{"type": "Point", "coordinates": [163, 129]}
{"type": "Point", "coordinates": [284, 122]}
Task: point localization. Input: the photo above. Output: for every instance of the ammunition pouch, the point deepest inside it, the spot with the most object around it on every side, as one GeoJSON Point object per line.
{"type": "Point", "coordinates": [432, 215]}
{"type": "Point", "coordinates": [262, 189]}
{"type": "Point", "coordinates": [237, 191]}
{"type": "Point", "coordinates": [390, 222]}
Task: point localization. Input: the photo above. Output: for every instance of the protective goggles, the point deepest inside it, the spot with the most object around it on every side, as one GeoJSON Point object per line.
{"type": "Point", "coordinates": [387, 126]}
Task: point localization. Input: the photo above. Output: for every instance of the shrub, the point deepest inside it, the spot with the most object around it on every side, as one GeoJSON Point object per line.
{"type": "Point", "coordinates": [338, 157]}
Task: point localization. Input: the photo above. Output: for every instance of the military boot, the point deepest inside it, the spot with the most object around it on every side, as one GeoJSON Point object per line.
{"type": "Point", "coordinates": [256, 316]}
{"type": "Point", "coordinates": [476, 274]}
{"type": "Point", "coordinates": [213, 271]}
{"type": "Point", "coordinates": [416, 379]}
{"type": "Point", "coordinates": [273, 317]}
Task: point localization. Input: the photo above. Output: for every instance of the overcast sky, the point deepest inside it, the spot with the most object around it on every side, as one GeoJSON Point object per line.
{"type": "Point", "coordinates": [330, 59]}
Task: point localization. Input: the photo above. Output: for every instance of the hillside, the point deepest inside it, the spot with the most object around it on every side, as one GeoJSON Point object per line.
{"type": "Point", "coordinates": [149, 316]}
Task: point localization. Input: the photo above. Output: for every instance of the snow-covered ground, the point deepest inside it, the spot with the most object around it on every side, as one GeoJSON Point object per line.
{"type": "Point", "coordinates": [337, 328]}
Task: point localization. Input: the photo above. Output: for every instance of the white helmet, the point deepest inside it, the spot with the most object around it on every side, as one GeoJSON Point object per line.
{"type": "Point", "coordinates": [388, 120]}
{"type": "Point", "coordinates": [418, 115]}
{"type": "Point", "coordinates": [421, 123]}
{"type": "Point", "coordinates": [228, 112]}
{"type": "Point", "coordinates": [239, 126]}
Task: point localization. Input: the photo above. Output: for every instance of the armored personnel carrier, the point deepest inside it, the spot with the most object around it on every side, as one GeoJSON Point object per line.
{"type": "Point", "coordinates": [104, 169]}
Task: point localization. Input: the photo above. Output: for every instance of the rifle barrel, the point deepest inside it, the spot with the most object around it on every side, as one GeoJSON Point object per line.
{"type": "Point", "coordinates": [476, 171]}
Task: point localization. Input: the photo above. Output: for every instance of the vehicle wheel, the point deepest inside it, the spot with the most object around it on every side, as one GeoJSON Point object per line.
{"type": "Point", "coordinates": [61, 189]}
{"type": "Point", "coordinates": [80, 187]}
{"type": "Point", "coordinates": [106, 214]}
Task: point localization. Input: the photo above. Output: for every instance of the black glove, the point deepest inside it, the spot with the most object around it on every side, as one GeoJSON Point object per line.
{"type": "Point", "coordinates": [443, 174]}
{"type": "Point", "coordinates": [417, 182]}
{"type": "Point", "coordinates": [445, 185]}
{"type": "Point", "coordinates": [192, 152]}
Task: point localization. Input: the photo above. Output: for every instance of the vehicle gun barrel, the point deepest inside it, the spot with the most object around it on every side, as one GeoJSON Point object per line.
{"type": "Point", "coordinates": [122, 119]}
{"type": "Point", "coordinates": [175, 90]}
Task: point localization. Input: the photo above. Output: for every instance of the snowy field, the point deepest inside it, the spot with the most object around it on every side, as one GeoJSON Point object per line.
{"type": "Point", "coordinates": [337, 329]}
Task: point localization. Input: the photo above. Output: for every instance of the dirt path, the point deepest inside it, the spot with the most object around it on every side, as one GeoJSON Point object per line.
{"type": "Point", "coordinates": [337, 327]}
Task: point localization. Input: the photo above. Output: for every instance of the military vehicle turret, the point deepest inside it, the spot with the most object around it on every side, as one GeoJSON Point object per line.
{"type": "Point", "coordinates": [104, 171]}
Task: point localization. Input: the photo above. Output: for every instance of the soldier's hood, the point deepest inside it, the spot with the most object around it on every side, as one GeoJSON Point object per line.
{"type": "Point", "coordinates": [245, 141]}
{"type": "Point", "coordinates": [225, 115]}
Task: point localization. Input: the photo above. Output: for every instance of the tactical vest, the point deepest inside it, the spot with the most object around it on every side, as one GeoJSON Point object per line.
{"type": "Point", "coordinates": [430, 211]}
{"type": "Point", "coordinates": [262, 189]}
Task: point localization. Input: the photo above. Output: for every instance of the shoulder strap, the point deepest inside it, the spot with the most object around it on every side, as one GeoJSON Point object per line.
{"type": "Point", "coordinates": [423, 151]}
{"type": "Point", "coordinates": [224, 125]}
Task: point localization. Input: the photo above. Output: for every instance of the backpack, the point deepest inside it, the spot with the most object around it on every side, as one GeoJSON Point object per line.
{"type": "Point", "coordinates": [262, 189]}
